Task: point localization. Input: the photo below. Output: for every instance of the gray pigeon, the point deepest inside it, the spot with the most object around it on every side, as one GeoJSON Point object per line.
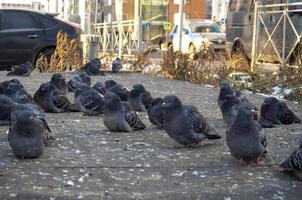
{"type": "Point", "coordinates": [116, 65]}
{"type": "Point", "coordinates": [294, 162]}
{"type": "Point", "coordinates": [156, 113]}
{"type": "Point", "coordinates": [17, 93]}
{"type": "Point", "coordinates": [59, 81]}
{"type": "Point", "coordinates": [230, 106]}
{"type": "Point", "coordinates": [24, 69]}
{"type": "Point", "coordinates": [77, 81]}
{"type": "Point", "coordinates": [225, 89]}
{"type": "Point", "coordinates": [185, 124]}
{"type": "Point", "coordinates": [139, 98]}
{"type": "Point", "coordinates": [89, 101]}
{"type": "Point", "coordinates": [277, 112]}
{"type": "Point", "coordinates": [100, 87]}
{"type": "Point", "coordinates": [93, 68]}
{"type": "Point", "coordinates": [121, 91]}
{"type": "Point", "coordinates": [244, 138]}
{"type": "Point", "coordinates": [6, 105]}
{"type": "Point", "coordinates": [34, 109]}
{"type": "Point", "coordinates": [27, 136]}
{"type": "Point", "coordinates": [52, 100]}
{"type": "Point", "coordinates": [116, 118]}
{"type": "Point", "coordinates": [4, 84]}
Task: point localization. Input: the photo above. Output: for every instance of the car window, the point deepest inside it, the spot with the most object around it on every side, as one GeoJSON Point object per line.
{"type": "Point", "coordinates": [18, 20]}
{"type": "Point", "coordinates": [206, 28]}
{"type": "Point", "coordinates": [46, 22]}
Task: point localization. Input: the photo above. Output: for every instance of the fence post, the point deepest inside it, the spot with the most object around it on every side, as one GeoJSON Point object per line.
{"type": "Point", "coordinates": [140, 34]}
{"type": "Point", "coordinates": [105, 38]}
{"type": "Point", "coordinates": [255, 26]}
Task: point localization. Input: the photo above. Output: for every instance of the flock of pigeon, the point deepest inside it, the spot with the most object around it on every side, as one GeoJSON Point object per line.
{"type": "Point", "coordinates": [29, 132]}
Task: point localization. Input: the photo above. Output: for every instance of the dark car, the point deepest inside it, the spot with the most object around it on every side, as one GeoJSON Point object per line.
{"type": "Point", "coordinates": [25, 35]}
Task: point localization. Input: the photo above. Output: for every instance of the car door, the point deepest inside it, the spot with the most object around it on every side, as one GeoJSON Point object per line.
{"type": "Point", "coordinates": [19, 33]}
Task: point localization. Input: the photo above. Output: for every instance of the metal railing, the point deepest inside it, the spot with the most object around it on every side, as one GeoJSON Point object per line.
{"type": "Point", "coordinates": [282, 12]}
{"type": "Point", "coordinates": [122, 38]}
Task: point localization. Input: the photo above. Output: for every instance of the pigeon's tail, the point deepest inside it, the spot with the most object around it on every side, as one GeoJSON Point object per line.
{"type": "Point", "coordinates": [212, 134]}
{"type": "Point", "coordinates": [265, 123]}
{"type": "Point", "coordinates": [213, 137]}
{"type": "Point", "coordinates": [72, 108]}
{"type": "Point", "coordinates": [297, 120]}
{"type": "Point", "coordinates": [12, 73]}
{"type": "Point", "coordinates": [140, 125]}
{"type": "Point", "coordinates": [285, 165]}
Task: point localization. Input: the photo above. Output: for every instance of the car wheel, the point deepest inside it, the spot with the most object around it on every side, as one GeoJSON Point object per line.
{"type": "Point", "coordinates": [47, 53]}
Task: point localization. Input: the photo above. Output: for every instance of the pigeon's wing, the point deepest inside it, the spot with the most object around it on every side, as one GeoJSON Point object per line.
{"type": "Point", "coordinates": [22, 70]}
{"type": "Point", "coordinates": [93, 103]}
{"type": "Point", "coordinates": [287, 115]}
{"type": "Point", "coordinates": [294, 162]}
{"type": "Point", "coordinates": [198, 122]}
{"type": "Point", "coordinates": [60, 101]}
{"type": "Point", "coordinates": [134, 121]}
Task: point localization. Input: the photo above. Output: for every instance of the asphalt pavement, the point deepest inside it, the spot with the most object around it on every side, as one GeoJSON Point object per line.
{"type": "Point", "coordinates": [87, 161]}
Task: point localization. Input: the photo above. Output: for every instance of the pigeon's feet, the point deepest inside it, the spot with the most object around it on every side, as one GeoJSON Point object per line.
{"type": "Point", "coordinates": [260, 160]}
{"type": "Point", "coordinates": [240, 162]}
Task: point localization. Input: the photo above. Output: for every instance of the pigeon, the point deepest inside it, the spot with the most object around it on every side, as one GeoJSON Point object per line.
{"type": "Point", "coordinates": [139, 98]}
{"type": "Point", "coordinates": [243, 137]}
{"type": "Point", "coordinates": [121, 91]}
{"type": "Point", "coordinates": [109, 84]}
{"type": "Point", "coordinates": [147, 99]}
{"type": "Point", "coordinates": [116, 118]}
{"type": "Point", "coordinates": [6, 105]}
{"type": "Point", "coordinates": [59, 81]}
{"type": "Point", "coordinates": [185, 124]}
{"type": "Point", "coordinates": [116, 65]}
{"type": "Point", "coordinates": [52, 100]}
{"type": "Point", "coordinates": [277, 112]}
{"type": "Point", "coordinates": [80, 79]}
{"type": "Point", "coordinates": [93, 68]}
{"type": "Point", "coordinates": [225, 89]}
{"type": "Point", "coordinates": [34, 109]}
{"type": "Point", "coordinates": [229, 108]}
{"type": "Point", "coordinates": [89, 101]}
{"type": "Point", "coordinates": [27, 136]}
{"type": "Point", "coordinates": [156, 113]}
{"type": "Point", "coordinates": [24, 69]}
{"type": "Point", "coordinates": [17, 93]}
{"type": "Point", "coordinates": [100, 87]}
{"type": "Point", "coordinates": [4, 84]}
{"type": "Point", "coordinates": [294, 163]}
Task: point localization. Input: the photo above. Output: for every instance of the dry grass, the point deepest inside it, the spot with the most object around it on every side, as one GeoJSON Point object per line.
{"type": "Point", "coordinates": [65, 57]}
{"type": "Point", "coordinates": [177, 65]}
{"type": "Point", "coordinates": [142, 59]}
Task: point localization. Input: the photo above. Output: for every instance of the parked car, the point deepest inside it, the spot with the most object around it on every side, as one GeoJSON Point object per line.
{"type": "Point", "coordinates": [25, 35]}
{"type": "Point", "coordinates": [197, 31]}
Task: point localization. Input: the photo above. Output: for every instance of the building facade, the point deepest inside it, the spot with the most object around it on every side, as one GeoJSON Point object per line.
{"type": "Point", "coordinates": [193, 9]}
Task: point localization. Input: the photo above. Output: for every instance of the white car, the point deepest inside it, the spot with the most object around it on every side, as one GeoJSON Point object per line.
{"type": "Point", "coordinates": [197, 31]}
